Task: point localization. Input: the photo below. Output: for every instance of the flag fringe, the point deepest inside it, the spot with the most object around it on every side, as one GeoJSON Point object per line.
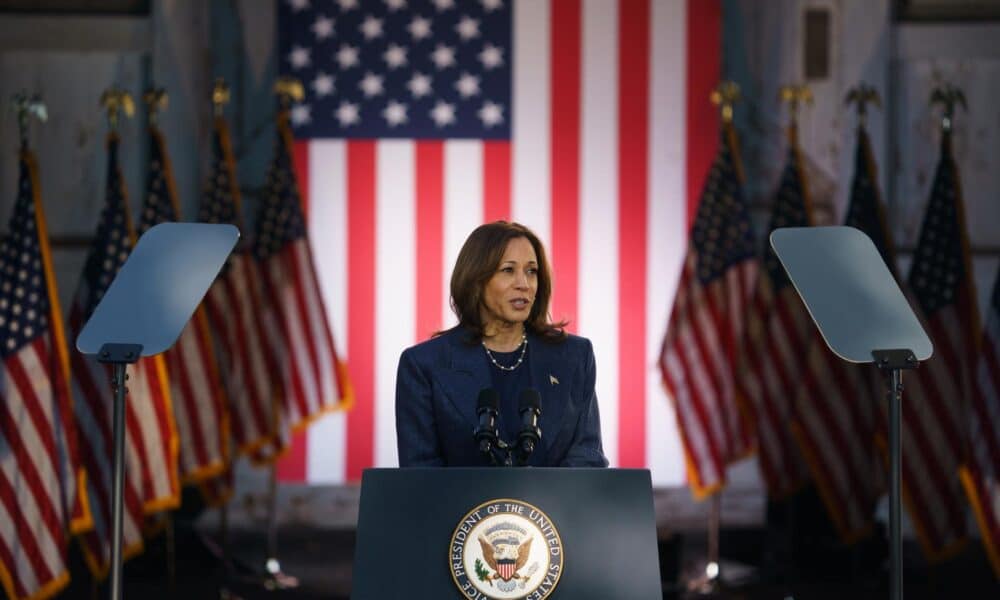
{"type": "Point", "coordinates": [978, 509]}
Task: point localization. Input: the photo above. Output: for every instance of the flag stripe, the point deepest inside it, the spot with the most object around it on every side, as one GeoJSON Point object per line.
{"type": "Point", "coordinates": [292, 467]}
{"type": "Point", "coordinates": [668, 223]}
{"type": "Point", "coordinates": [326, 456]}
{"type": "Point", "coordinates": [565, 38]}
{"type": "Point", "coordinates": [598, 212]}
{"type": "Point", "coordinates": [980, 473]}
{"type": "Point", "coordinates": [187, 404]}
{"type": "Point", "coordinates": [195, 388]}
{"type": "Point", "coordinates": [361, 303]}
{"type": "Point", "coordinates": [704, 44]}
{"type": "Point", "coordinates": [633, 181]}
{"type": "Point", "coordinates": [697, 417]}
{"type": "Point", "coordinates": [36, 515]}
{"type": "Point", "coordinates": [22, 543]}
{"type": "Point", "coordinates": [246, 343]}
{"type": "Point", "coordinates": [988, 412]}
{"type": "Point", "coordinates": [531, 127]}
{"type": "Point", "coordinates": [139, 424]}
{"type": "Point", "coordinates": [295, 314]}
{"type": "Point", "coordinates": [302, 166]}
{"type": "Point", "coordinates": [395, 281]}
{"type": "Point", "coordinates": [32, 394]}
{"type": "Point", "coordinates": [30, 441]}
{"type": "Point", "coordinates": [496, 181]}
{"type": "Point", "coordinates": [235, 320]}
{"type": "Point", "coordinates": [463, 206]}
{"type": "Point", "coordinates": [429, 261]}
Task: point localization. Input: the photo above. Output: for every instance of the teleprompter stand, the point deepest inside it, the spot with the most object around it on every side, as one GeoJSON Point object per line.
{"type": "Point", "coordinates": [142, 313]}
{"type": "Point", "coordinates": [864, 317]}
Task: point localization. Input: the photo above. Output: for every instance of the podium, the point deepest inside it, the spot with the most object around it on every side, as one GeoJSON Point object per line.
{"type": "Point", "coordinates": [506, 533]}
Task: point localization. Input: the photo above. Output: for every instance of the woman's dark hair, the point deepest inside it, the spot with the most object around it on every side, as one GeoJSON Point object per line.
{"type": "Point", "coordinates": [478, 261]}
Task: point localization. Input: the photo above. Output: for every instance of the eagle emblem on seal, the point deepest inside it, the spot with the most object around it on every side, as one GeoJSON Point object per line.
{"type": "Point", "coordinates": [505, 555]}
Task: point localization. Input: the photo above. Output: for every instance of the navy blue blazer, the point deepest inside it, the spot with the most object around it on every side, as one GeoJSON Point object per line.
{"type": "Point", "coordinates": [438, 384]}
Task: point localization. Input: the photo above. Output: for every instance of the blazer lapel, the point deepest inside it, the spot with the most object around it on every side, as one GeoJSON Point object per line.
{"type": "Point", "coordinates": [550, 378]}
{"type": "Point", "coordinates": [463, 379]}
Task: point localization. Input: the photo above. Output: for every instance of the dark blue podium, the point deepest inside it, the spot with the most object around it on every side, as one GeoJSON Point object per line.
{"type": "Point", "coordinates": [506, 533]}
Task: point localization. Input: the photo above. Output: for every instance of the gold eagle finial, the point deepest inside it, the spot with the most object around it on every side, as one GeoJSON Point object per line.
{"type": "Point", "coordinates": [949, 96]}
{"type": "Point", "coordinates": [25, 107]}
{"type": "Point", "coordinates": [156, 99]}
{"type": "Point", "coordinates": [220, 96]}
{"type": "Point", "coordinates": [288, 90]}
{"type": "Point", "coordinates": [861, 96]}
{"type": "Point", "coordinates": [725, 95]}
{"type": "Point", "coordinates": [795, 96]}
{"type": "Point", "coordinates": [116, 101]}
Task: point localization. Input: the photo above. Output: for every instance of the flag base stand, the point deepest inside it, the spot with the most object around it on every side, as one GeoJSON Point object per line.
{"type": "Point", "coordinates": [722, 579]}
{"type": "Point", "coordinates": [712, 577]}
{"type": "Point", "coordinates": [275, 579]}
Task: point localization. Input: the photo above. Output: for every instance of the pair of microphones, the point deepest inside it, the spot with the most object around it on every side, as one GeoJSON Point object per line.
{"type": "Point", "coordinates": [487, 435]}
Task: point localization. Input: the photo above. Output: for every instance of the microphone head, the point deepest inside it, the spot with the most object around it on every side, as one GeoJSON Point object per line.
{"type": "Point", "coordinates": [529, 399]}
{"type": "Point", "coordinates": [488, 399]}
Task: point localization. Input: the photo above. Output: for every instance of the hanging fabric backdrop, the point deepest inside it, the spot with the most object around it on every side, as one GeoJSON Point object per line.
{"type": "Point", "coordinates": [588, 121]}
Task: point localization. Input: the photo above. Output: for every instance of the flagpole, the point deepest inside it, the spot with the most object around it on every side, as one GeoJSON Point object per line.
{"type": "Point", "coordinates": [155, 100]}
{"type": "Point", "coordinates": [713, 570]}
{"type": "Point", "coordinates": [709, 581]}
{"type": "Point", "coordinates": [272, 564]}
{"type": "Point", "coordinates": [171, 555]}
{"type": "Point", "coordinates": [287, 90]}
{"type": "Point", "coordinates": [116, 101]}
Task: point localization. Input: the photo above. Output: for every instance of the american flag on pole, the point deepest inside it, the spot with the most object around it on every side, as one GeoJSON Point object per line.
{"type": "Point", "coordinates": [41, 481]}
{"type": "Point", "coordinates": [195, 387]}
{"type": "Point", "coordinates": [234, 306]}
{"type": "Point", "coordinates": [585, 121]}
{"type": "Point", "coordinates": [151, 444]}
{"type": "Point", "coordinates": [836, 410]}
{"type": "Point", "coordinates": [314, 379]}
{"type": "Point", "coordinates": [775, 344]}
{"type": "Point", "coordinates": [981, 473]}
{"type": "Point", "coordinates": [934, 423]}
{"type": "Point", "coordinates": [699, 352]}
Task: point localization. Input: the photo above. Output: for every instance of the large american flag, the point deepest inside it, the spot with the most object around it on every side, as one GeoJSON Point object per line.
{"type": "Point", "coordinates": [699, 352]}
{"type": "Point", "coordinates": [936, 399]}
{"type": "Point", "coordinates": [41, 482]}
{"type": "Point", "coordinates": [836, 410]}
{"type": "Point", "coordinates": [313, 377]}
{"type": "Point", "coordinates": [586, 121]}
{"type": "Point", "coordinates": [195, 387]}
{"type": "Point", "coordinates": [151, 445]}
{"type": "Point", "coordinates": [981, 473]}
{"type": "Point", "coordinates": [234, 305]}
{"type": "Point", "coordinates": [775, 344]}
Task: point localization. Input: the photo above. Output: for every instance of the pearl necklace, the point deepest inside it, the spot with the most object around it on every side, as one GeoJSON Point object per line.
{"type": "Point", "coordinates": [524, 348]}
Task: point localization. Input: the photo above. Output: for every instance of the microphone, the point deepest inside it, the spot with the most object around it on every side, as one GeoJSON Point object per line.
{"type": "Point", "coordinates": [529, 405]}
{"type": "Point", "coordinates": [486, 408]}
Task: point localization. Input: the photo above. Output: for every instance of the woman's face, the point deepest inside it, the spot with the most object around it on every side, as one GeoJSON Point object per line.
{"type": "Point", "coordinates": [510, 293]}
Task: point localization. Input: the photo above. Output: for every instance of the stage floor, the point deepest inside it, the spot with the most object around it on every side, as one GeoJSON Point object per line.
{"type": "Point", "coordinates": [316, 545]}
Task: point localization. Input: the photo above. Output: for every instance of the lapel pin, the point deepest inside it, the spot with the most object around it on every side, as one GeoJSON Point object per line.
{"type": "Point", "coordinates": [553, 380]}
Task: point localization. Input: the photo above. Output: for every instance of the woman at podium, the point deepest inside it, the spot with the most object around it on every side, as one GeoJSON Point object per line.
{"type": "Point", "coordinates": [503, 347]}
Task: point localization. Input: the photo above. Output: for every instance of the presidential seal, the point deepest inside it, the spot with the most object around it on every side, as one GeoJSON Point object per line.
{"type": "Point", "coordinates": [505, 549]}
